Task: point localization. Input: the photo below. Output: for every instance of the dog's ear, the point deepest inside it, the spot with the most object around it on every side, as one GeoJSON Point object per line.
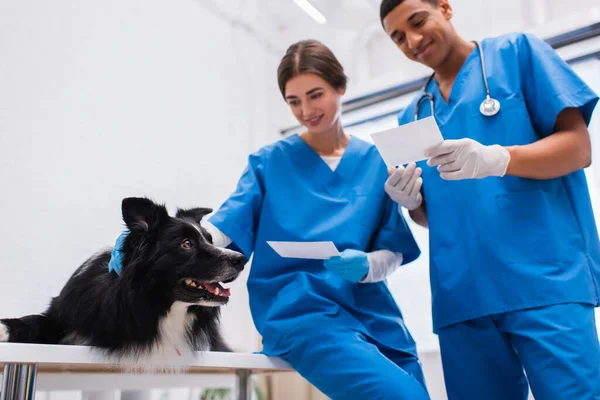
{"type": "Point", "coordinates": [196, 214]}
{"type": "Point", "coordinates": [142, 213]}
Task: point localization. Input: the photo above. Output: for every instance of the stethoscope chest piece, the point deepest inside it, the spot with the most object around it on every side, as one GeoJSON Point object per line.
{"type": "Point", "coordinates": [489, 107]}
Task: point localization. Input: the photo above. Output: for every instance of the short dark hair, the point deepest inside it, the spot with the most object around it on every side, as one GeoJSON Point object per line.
{"type": "Point", "coordinates": [388, 5]}
{"type": "Point", "coordinates": [311, 56]}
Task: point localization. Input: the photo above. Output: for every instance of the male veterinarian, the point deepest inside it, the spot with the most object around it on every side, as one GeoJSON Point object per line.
{"type": "Point", "coordinates": [515, 255]}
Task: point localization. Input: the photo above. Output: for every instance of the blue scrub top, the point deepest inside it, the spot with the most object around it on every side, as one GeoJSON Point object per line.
{"type": "Point", "coordinates": [288, 193]}
{"type": "Point", "coordinates": [504, 244]}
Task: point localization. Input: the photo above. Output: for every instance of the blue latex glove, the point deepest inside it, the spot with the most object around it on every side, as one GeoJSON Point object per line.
{"type": "Point", "coordinates": [116, 257]}
{"type": "Point", "coordinates": [351, 264]}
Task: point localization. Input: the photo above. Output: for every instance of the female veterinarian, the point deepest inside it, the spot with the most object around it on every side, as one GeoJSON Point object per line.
{"type": "Point", "coordinates": [335, 322]}
{"type": "Point", "coordinates": [515, 255]}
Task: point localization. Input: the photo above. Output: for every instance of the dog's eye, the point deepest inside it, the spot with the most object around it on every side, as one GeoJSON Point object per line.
{"type": "Point", "coordinates": [186, 244]}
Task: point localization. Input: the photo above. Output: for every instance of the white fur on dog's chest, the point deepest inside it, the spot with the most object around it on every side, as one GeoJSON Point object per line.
{"type": "Point", "coordinates": [172, 346]}
{"type": "Point", "coordinates": [171, 351]}
{"type": "Point", "coordinates": [175, 328]}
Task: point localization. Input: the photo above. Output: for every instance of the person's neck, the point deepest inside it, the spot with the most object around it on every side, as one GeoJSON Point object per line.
{"type": "Point", "coordinates": [332, 142]}
{"type": "Point", "coordinates": [448, 70]}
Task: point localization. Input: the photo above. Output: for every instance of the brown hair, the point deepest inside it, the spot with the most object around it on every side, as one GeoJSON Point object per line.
{"type": "Point", "coordinates": [311, 56]}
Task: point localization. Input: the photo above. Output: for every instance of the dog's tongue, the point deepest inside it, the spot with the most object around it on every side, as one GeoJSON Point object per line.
{"type": "Point", "coordinates": [212, 287]}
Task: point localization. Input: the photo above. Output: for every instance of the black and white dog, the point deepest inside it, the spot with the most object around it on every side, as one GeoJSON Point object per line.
{"type": "Point", "coordinates": [164, 304]}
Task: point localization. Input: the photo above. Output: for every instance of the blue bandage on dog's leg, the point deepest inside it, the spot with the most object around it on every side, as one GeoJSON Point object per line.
{"type": "Point", "coordinates": [116, 257]}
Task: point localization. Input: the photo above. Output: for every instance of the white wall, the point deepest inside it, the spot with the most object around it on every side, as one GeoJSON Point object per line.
{"type": "Point", "coordinates": [108, 99]}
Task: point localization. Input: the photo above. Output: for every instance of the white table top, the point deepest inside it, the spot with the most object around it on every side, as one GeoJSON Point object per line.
{"type": "Point", "coordinates": [62, 358]}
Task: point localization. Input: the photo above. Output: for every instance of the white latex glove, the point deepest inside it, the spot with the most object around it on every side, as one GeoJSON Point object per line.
{"type": "Point", "coordinates": [404, 186]}
{"type": "Point", "coordinates": [468, 159]}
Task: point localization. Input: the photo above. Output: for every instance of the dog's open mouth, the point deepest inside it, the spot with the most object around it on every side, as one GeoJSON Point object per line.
{"type": "Point", "coordinates": [212, 287]}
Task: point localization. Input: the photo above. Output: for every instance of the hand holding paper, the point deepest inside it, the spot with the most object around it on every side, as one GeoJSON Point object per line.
{"type": "Point", "coordinates": [351, 264]}
{"type": "Point", "coordinates": [455, 159]}
{"type": "Point", "coordinates": [468, 159]}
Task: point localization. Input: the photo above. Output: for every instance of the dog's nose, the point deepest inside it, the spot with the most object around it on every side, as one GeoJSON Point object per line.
{"type": "Point", "coordinates": [238, 261]}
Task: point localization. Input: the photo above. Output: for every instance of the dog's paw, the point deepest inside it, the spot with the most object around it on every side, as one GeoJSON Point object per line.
{"type": "Point", "coordinates": [3, 333]}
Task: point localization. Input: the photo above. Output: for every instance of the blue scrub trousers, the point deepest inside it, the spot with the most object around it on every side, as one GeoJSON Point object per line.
{"type": "Point", "coordinates": [556, 345]}
{"type": "Point", "coordinates": [344, 365]}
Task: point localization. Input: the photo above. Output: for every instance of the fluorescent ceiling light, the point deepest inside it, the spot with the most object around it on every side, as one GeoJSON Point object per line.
{"type": "Point", "coordinates": [311, 10]}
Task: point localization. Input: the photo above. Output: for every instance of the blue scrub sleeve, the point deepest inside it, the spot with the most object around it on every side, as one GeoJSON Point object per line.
{"type": "Point", "coordinates": [238, 216]}
{"type": "Point", "coordinates": [394, 233]}
{"type": "Point", "coordinates": [550, 85]}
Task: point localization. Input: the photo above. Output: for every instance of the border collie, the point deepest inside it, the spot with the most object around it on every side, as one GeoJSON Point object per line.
{"type": "Point", "coordinates": [164, 304]}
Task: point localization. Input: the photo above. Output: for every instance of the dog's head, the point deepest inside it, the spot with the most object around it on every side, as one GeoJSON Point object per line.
{"type": "Point", "coordinates": [174, 256]}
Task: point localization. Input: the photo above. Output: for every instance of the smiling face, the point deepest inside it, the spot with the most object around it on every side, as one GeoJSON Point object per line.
{"type": "Point", "coordinates": [422, 30]}
{"type": "Point", "coordinates": [314, 102]}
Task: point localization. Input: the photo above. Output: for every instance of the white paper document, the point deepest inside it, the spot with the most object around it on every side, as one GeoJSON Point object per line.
{"type": "Point", "coordinates": [308, 250]}
{"type": "Point", "coordinates": [407, 143]}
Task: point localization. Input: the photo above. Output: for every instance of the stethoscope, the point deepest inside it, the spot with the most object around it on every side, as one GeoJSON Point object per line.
{"type": "Point", "coordinates": [488, 107]}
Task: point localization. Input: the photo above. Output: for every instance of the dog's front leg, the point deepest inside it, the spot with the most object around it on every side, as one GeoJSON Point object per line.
{"type": "Point", "coordinates": [37, 328]}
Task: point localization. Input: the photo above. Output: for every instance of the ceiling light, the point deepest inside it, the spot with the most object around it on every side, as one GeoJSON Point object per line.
{"type": "Point", "coordinates": [311, 10]}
